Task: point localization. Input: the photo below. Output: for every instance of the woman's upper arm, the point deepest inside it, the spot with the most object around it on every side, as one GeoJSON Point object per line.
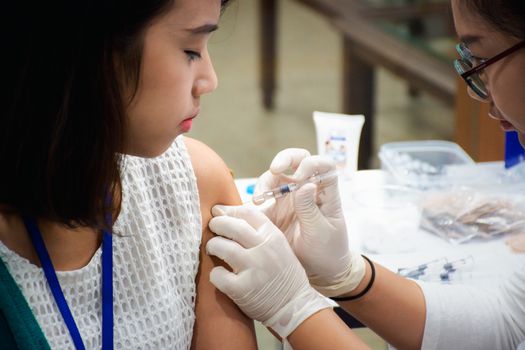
{"type": "Point", "coordinates": [219, 323]}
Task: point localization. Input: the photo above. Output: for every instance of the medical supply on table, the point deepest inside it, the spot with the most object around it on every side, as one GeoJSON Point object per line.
{"type": "Point", "coordinates": [250, 189]}
{"type": "Point", "coordinates": [338, 137]}
{"type": "Point", "coordinates": [462, 214]}
{"type": "Point", "coordinates": [283, 190]}
{"type": "Point", "coordinates": [457, 277]}
{"type": "Point", "coordinates": [425, 164]}
{"type": "Point", "coordinates": [416, 270]}
{"type": "Point", "coordinates": [440, 270]}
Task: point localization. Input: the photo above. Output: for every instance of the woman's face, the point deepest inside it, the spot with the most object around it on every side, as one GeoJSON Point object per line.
{"type": "Point", "coordinates": [504, 79]}
{"type": "Point", "coordinates": [176, 71]}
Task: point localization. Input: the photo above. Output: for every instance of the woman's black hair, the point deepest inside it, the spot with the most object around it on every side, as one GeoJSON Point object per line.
{"type": "Point", "coordinates": [63, 111]}
{"type": "Point", "coordinates": [507, 16]}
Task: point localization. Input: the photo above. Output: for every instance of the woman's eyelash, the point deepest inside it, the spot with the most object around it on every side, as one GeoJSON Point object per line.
{"type": "Point", "coordinates": [193, 55]}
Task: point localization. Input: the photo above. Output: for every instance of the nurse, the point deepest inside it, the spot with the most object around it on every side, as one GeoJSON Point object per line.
{"type": "Point", "coordinates": [281, 261]}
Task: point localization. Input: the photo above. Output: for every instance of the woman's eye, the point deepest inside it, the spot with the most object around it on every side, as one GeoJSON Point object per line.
{"type": "Point", "coordinates": [192, 55]}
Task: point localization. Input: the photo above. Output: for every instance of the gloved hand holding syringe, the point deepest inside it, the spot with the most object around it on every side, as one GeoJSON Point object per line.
{"type": "Point", "coordinates": [311, 218]}
{"type": "Point", "coordinates": [283, 190]}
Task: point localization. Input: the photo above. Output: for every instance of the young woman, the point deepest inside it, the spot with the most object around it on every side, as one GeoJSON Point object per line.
{"type": "Point", "coordinates": [269, 283]}
{"type": "Point", "coordinates": [104, 207]}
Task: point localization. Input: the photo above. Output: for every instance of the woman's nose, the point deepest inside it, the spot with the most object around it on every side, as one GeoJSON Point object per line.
{"type": "Point", "coordinates": [206, 81]}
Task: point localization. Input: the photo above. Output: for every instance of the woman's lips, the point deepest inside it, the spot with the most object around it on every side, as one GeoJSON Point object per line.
{"type": "Point", "coordinates": [186, 124]}
{"type": "Point", "coordinates": [504, 125]}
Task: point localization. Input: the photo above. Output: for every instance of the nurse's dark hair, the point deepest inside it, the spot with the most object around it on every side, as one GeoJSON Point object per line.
{"type": "Point", "coordinates": [64, 66]}
{"type": "Point", "coordinates": [508, 16]}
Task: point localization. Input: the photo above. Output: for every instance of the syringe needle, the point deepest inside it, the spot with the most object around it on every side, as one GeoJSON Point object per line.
{"type": "Point", "coordinates": [283, 190]}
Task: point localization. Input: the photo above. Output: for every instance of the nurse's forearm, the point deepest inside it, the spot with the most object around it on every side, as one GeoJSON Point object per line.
{"type": "Point", "coordinates": [325, 330]}
{"type": "Point", "coordinates": [394, 308]}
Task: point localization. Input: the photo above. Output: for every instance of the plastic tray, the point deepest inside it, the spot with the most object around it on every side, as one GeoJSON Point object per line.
{"type": "Point", "coordinates": [424, 164]}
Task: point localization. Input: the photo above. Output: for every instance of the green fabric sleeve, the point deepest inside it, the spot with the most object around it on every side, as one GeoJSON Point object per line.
{"type": "Point", "coordinates": [19, 328]}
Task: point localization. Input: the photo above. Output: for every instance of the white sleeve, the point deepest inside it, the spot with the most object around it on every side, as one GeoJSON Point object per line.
{"type": "Point", "coordinates": [466, 317]}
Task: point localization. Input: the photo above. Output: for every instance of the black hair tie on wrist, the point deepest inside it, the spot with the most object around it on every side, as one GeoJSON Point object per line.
{"type": "Point", "coordinates": [367, 288]}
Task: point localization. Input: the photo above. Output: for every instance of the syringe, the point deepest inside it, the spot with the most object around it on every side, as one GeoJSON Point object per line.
{"type": "Point", "coordinates": [415, 271]}
{"type": "Point", "coordinates": [459, 263]}
{"type": "Point", "coordinates": [283, 190]}
{"type": "Point", "coordinates": [440, 269]}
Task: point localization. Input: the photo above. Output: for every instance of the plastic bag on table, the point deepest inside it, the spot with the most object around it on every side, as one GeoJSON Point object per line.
{"type": "Point", "coordinates": [462, 214]}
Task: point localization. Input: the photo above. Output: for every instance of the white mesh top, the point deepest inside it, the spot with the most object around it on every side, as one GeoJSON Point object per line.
{"type": "Point", "coordinates": [155, 261]}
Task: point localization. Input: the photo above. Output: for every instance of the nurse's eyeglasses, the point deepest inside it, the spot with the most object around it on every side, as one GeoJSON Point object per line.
{"type": "Point", "coordinates": [470, 67]}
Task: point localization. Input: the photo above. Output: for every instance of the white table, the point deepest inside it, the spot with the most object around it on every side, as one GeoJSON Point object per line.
{"type": "Point", "coordinates": [493, 259]}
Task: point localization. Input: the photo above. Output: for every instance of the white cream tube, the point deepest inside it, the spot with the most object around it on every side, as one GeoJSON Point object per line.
{"type": "Point", "coordinates": [338, 137]}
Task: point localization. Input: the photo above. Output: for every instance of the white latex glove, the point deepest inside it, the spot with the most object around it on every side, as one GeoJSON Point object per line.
{"type": "Point", "coordinates": [267, 283]}
{"type": "Point", "coordinates": [313, 222]}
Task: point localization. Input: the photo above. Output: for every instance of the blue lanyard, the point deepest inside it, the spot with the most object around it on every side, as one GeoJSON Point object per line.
{"type": "Point", "coordinates": [54, 284]}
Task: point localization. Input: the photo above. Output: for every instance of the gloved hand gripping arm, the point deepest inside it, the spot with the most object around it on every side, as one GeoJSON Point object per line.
{"type": "Point", "coordinates": [268, 283]}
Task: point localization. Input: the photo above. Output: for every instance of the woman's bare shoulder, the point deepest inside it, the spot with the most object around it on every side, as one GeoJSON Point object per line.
{"type": "Point", "coordinates": [219, 323]}
{"type": "Point", "coordinates": [214, 178]}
